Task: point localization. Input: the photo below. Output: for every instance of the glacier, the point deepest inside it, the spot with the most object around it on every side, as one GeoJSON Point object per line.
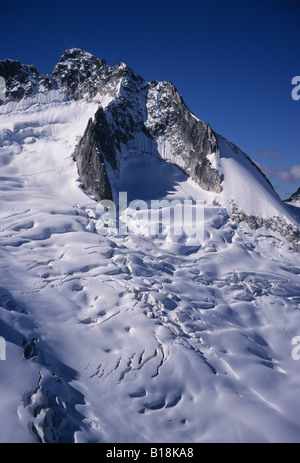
{"type": "Point", "coordinates": [134, 338]}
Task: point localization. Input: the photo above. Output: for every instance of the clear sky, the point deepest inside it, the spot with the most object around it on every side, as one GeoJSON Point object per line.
{"type": "Point", "coordinates": [232, 60]}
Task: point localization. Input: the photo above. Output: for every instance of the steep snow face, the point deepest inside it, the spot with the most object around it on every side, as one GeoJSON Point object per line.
{"type": "Point", "coordinates": [245, 185]}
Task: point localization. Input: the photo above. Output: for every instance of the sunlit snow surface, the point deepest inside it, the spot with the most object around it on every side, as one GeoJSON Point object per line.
{"type": "Point", "coordinates": [133, 338]}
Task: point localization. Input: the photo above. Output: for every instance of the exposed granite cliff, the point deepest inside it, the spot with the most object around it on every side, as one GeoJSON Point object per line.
{"type": "Point", "coordinates": [295, 197]}
{"type": "Point", "coordinates": [89, 157]}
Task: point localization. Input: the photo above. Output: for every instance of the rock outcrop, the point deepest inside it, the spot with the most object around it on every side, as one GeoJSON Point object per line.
{"type": "Point", "coordinates": [89, 157]}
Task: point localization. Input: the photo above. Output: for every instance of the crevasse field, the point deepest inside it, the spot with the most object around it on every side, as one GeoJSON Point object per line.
{"type": "Point", "coordinates": [136, 338]}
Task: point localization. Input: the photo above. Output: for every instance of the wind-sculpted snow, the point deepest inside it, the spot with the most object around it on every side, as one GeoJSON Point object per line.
{"type": "Point", "coordinates": [132, 338]}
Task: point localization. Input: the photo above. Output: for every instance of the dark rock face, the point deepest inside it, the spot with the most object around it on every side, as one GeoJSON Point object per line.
{"type": "Point", "coordinates": [142, 112]}
{"type": "Point", "coordinates": [79, 74]}
{"type": "Point", "coordinates": [90, 162]}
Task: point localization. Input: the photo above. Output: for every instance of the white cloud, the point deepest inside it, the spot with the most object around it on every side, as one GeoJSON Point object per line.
{"type": "Point", "coordinates": [269, 153]}
{"type": "Point", "coordinates": [290, 175]}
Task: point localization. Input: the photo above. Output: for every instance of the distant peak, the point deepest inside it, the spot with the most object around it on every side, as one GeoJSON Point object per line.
{"type": "Point", "coordinates": [15, 70]}
{"type": "Point", "coordinates": [74, 53]}
{"type": "Point", "coordinates": [122, 65]}
{"type": "Point", "coordinates": [10, 61]}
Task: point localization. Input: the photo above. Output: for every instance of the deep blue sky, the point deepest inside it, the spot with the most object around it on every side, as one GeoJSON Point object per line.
{"type": "Point", "coordinates": [231, 60]}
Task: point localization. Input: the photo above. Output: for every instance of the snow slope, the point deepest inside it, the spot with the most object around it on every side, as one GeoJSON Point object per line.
{"type": "Point", "coordinates": [244, 184]}
{"type": "Point", "coordinates": [135, 338]}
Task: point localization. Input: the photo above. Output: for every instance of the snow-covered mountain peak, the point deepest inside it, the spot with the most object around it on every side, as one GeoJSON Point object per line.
{"type": "Point", "coordinates": [122, 65]}
{"type": "Point", "coordinates": [79, 73]}
{"type": "Point", "coordinates": [77, 54]}
{"type": "Point", "coordinates": [151, 119]}
{"type": "Point", "coordinates": [146, 119]}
